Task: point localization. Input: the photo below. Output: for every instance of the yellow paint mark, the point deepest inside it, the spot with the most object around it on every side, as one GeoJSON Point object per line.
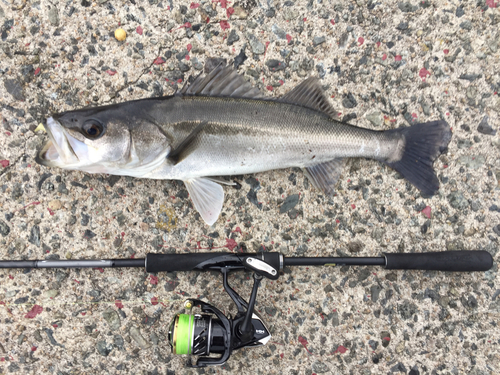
{"type": "Point", "coordinates": [167, 220]}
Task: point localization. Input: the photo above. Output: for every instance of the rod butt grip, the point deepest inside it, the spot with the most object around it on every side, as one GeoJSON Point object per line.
{"type": "Point", "coordinates": [453, 261]}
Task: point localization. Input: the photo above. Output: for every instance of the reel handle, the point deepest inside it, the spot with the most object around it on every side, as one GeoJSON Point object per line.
{"type": "Point", "coordinates": [454, 261]}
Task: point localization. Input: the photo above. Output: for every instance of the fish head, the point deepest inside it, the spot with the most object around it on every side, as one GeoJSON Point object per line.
{"type": "Point", "coordinates": [112, 139]}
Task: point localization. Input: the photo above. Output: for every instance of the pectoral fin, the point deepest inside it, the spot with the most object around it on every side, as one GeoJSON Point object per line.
{"type": "Point", "coordinates": [180, 151]}
{"type": "Point", "coordinates": [324, 176]}
{"type": "Point", "coordinates": [207, 197]}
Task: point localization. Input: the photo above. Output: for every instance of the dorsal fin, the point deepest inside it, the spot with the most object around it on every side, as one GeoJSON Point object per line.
{"type": "Point", "coordinates": [222, 81]}
{"type": "Point", "coordinates": [310, 94]}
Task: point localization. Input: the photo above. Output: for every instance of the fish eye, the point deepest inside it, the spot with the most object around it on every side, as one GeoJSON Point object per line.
{"type": "Point", "coordinates": [93, 129]}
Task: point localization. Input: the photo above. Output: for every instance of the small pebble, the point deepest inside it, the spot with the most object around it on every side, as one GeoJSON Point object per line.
{"type": "Point", "coordinates": [120, 35]}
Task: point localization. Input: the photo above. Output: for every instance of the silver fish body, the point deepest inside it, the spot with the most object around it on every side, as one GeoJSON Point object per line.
{"type": "Point", "coordinates": [244, 136]}
{"type": "Point", "coordinates": [220, 125]}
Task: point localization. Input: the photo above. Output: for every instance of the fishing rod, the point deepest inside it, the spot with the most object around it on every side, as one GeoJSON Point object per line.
{"type": "Point", "coordinates": [214, 333]}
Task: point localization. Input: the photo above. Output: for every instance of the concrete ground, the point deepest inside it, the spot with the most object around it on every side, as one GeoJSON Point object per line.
{"type": "Point", "coordinates": [382, 64]}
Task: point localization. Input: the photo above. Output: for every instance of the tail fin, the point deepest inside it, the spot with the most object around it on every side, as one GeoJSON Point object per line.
{"type": "Point", "coordinates": [423, 144]}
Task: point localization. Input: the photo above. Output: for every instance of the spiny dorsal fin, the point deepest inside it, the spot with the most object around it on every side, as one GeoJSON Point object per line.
{"type": "Point", "coordinates": [222, 81]}
{"type": "Point", "coordinates": [310, 94]}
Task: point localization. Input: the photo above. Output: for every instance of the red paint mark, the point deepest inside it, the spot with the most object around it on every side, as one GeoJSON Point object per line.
{"type": "Point", "coordinates": [445, 165]}
{"type": "Point", "coordinates": [35, 310]}
{"type": "Point", "coordinates": [51, 212]}
{"type": "Point", "coordinates": [340, 349]}
{"type": "Point", "coordinates": [282, 355]}
{"type": "Point", "coordinates": [111, 72]}
{"type": "Point", "coordinates": [288, 38]}
{"type": "Point", "coordinates": [281, 82]}
{"type": "Point", "coordinates": [378, 44]}
{"type": "Point", "coordinates": [398, 58]}
{"type": "Point", "coordinates": [304, 343]}
{"type": "Point", "coordinates": [337, 221]}
{"type": "Point", "coordinates": [159, 61]}
{"type": "Point", "coordinates": [179, 80]}
{"type": "Point", "coordinates": [34, 348]}
{"type": "Point", "coordinates": [37, 71]}
{"type": "Point", "coordinates": [332, 21]}
{"type": "Point", "coordinates": [237, 230]}
{"type": "Point", "coordinates": [154, 301]}
{"type": "Point", "coordinates": [427, 212]}
{"type": "Point", "coordinates": [386, 339]}
{"type": "Point", "coordinates": [76, 281]}
{"type": "Point", "coordinates": [194, 5]}
{"type": "Point", "coordinates": [122, 234]}
{"type": "Point", "coordinates": [353, 206]}
{"type": "Point", "coordinates": [269, 87]}
{"type": "Point", "coordinates": [83, 313]}
{"type": "Point", "coordinates": [229, 12]}
{"type": "Point", "coordinates": [414, 115]}
{"type": "Point", "coordinates": [11, 277]}
{"type": "Point", "coordinates": [446, 51]}
{"type": "Point", "coordinates": [361, 40]}
{"type": "Point", "coordinates": [384, 57]}
{"type": "Point", "coordinates": [189, 47]}
{"type": "Point", "coordinates": [101, 270]}
{"type": "Point", "coordinates": [186, 25]}
{"type": "Point", "coordinates": [55, 325]}
{"type": "Point", "coordinates": [304, 19]}
{"type": "Point", "coordinates": [4, 163]}
{"type": "Point", "coordinates": [223, 4]}
{"type": "Point", "coordinates": [119, 304]}
{"type": "Point", "coordinates": [231, 244]}
{"type": "Point", "coordinates": [139, 30]}
{"type": "Point", "coordinates": [265, 50]}
{"type": "Point", "coordinates": [8, 133]}
{"type": "Point", "coordinates": [423, 73]}
{"type": "Point", "coordinates": [153, 279]}
{"type": "Point", "coordinates": [491, 3]}
{"type": "Point", "coordinates": [224, 25]}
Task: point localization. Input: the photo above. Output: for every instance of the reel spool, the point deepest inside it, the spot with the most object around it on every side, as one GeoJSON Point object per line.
{"type": "Point", "coordinates": [198, 334]}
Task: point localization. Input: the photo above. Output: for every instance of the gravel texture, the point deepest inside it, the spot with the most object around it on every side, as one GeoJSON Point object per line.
{"type": "Point", "coordinates": [382, 64]}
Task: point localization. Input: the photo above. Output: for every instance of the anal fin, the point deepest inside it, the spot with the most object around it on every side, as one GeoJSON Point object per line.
{"type": "Point", "coordinates": [324, 176]}
{"type": "Point", "coordinates": [207, 197]}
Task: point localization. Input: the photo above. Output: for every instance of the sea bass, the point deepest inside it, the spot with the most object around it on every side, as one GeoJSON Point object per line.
{"type": "Point", "coordinates": [220, 125]}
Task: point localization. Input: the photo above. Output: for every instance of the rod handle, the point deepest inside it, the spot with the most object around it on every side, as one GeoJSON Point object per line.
{"type": "Point", "coordinates": [454, 261]}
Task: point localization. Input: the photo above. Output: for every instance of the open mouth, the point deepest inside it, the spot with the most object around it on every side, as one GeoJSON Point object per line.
{"type": "Point", "coordinates": [57, 151]}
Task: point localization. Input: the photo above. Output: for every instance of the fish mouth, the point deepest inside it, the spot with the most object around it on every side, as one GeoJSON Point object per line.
{"type": "Point", "coordinates": [57, 152]}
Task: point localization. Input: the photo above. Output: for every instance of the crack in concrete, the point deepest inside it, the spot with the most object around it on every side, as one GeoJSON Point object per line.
{"type": "Point", "coordinates": [128, 84]}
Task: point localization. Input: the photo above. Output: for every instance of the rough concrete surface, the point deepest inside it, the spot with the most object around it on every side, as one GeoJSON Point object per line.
{"type": "Point", "coordinates": [382, 64]}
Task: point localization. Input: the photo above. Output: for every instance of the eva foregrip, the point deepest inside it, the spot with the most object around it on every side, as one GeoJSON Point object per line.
{"type": "Point", "coordinates": [454, 261]}
{"type": "Point", "coordinates": [178, 262]}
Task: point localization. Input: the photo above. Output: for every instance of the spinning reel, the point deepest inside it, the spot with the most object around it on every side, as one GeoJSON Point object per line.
{"type": "Point", "coordinates": [213, 332]}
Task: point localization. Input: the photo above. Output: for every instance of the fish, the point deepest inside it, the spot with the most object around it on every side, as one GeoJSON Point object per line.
{"type": "Point", "coordinates": [221, 125]}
